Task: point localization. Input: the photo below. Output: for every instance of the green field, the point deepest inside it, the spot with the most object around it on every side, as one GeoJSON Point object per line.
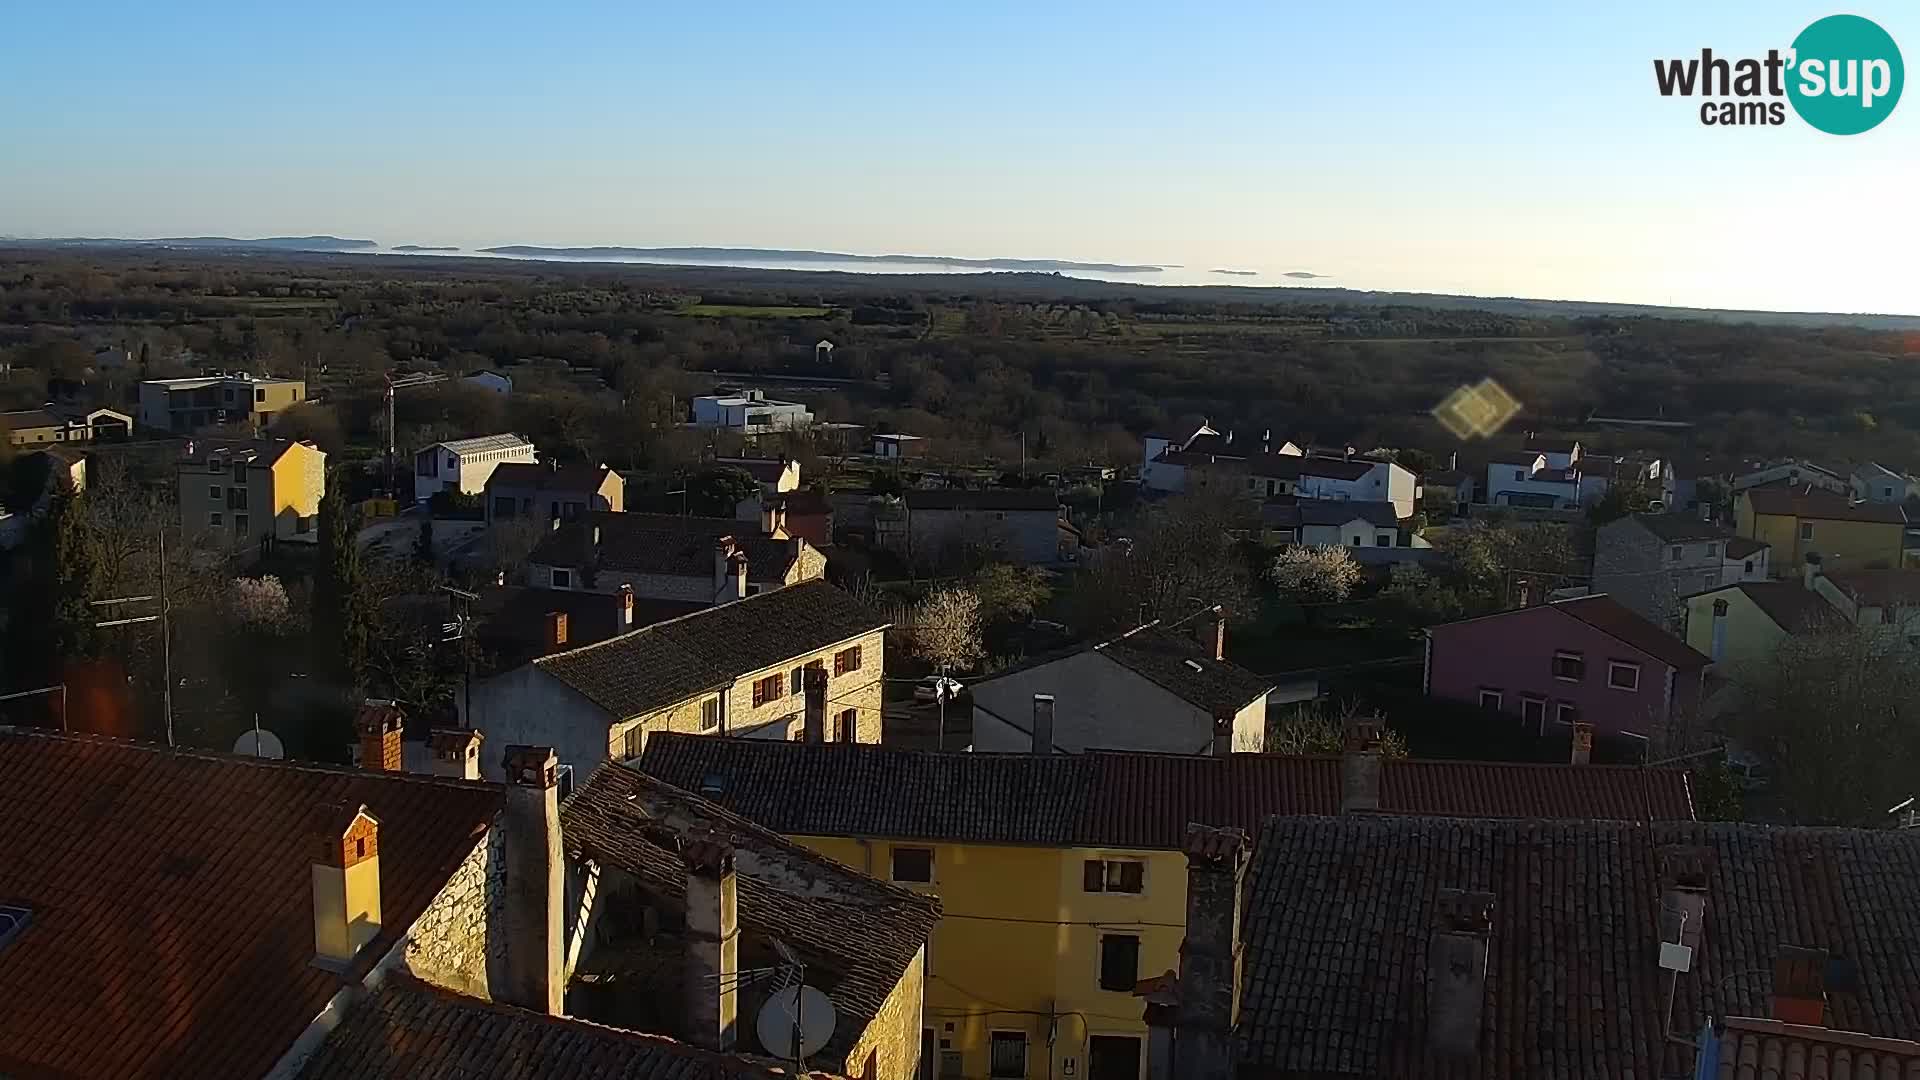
{"type": "Point", "coordinates": [754, 311]}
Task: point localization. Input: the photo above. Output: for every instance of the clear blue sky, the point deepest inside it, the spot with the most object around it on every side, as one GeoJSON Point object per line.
{"type": "Point", "coordinates": [1496, 148]}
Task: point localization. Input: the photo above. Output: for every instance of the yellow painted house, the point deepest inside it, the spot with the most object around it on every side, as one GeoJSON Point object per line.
{"type": "Point", "coordinates": [1741, 625]}
{"type": "Point", "coordinates": [245, 492]}
{"type": "Point", "coordinates": [1063, 878]}
{"type": "Point", "coordinates": [1802, 521]}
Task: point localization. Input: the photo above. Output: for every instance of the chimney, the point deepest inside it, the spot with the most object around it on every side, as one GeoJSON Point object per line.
{"type": "Point", "coordinates": [723, 550]}
{"type": "Point", "coordinates": [1043, 723]}
{"type": "Point", "coordinates": [1210, 956]}
{"type": "Point", "coordinates": [1453, 461]}
{"type": "Point", "coordinates": [1719, 646]}
{"type": "Point", "coordinates": [456, 752]}
{"type": "Point", "coordinates": [380, 724]}
{"type": "Point", "coordinates": [815, 683]}
{"type": "Point", "coordinates": [553, 524]}
{"type": "Point", "coordinates": [1223, 735]}
{"type": "Point", "coordinates": [1162, 994]}
{"type": "Point", "coordinates": [556, 630]}
{"type": "Point", "coordinates": [779, 530]}
{"type": "Point", "coordinates": [534, 971]}
{"type": "Point", "coordinates": [769, 520]}
{"type": "Point", "coordinates": [1212, 632]}
{"type": "Point", "coordinates": [1523, 592]}
{"type": "Point", "coordinates": [1683, 893]}
{"type": "Point", "coordinates": [712, 942]}
{"type": "Point", "coordinates": [346, 883]}
{"type": "Point", "coordinates": [626, 607]}
{"type": "Point", "coordinates": [1800, 986]}
{"type": "Point", "coordinates": [1360, 765]}
{"type": "Point", "coordinates": [1812, 572]}
{"type": "Point", "coordinates": [1457, 972]}
{"type": "Point", "coordinates": [1582, 743]}
{"type": "Point", "coordinates": [737, 576]}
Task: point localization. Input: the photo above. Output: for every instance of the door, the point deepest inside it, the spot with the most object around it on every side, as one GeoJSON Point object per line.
{"type": "Point", "coordinates": [1113, 1057]}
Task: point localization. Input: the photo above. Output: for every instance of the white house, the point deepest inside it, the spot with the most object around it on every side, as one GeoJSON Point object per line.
{"type": "Point", "coordinates": [464, 465]}
{"type": "Point", "coordinates": [491, 381]}
{"type": "Point", "coordinates": [1166, 458]}
{"type": "Point", "coordinates": [1875, 482]}
{"type": "Point", "coordinates": [892, 446]}
{"type": "Point", "coordinates": [749, 412]}
{"type": "Point", "coordinates": [1529, 479]}
{"type": "Point", "coordinates": [1358, 480]}
{"type": "Point", "coordinates": [823, 352]}
{"type": "Point", "coordinates": [1792, 474]}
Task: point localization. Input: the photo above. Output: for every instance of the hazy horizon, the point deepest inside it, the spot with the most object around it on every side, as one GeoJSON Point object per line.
{"type": "Point", "coordinates": [1501, 151]}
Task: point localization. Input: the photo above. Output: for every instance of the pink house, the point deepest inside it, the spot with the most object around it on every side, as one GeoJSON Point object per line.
{"type": "Point", "coordinates": [1588, 658]}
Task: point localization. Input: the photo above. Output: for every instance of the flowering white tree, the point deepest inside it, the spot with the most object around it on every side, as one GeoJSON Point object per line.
{"type": "Point", "coordinates": [946, 629]}
{"type": "Point", "coordinates": [1323, 575]}
{"type": "Point", "coordinates": [259, 602]}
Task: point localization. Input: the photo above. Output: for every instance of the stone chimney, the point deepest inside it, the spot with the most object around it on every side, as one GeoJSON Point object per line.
{"type": "Point", "coordinates": [1211, 630]}
{"type": "Point", "coordinates": [1210, 957]}
{"type": "Point", "coordinates": [712, 944]}
{"type": "Point", "coordinates": [380, 725]}
{"type": "Point", "coordinates": [1683, 894]}
{"type": "Point", "coordinates": [1523, 592]}
{"type": "Point", "coordinates": [1043, 723]}
{"type": "Point", "coordinates": [737, 576]}
{"type": "Point", "coordinates": [1457, 972]}
{"type": "Point", "coordinates": [1719, 646]}
{"type": "Point", "coordinates": [814, 681]}
{"type": "Point", "coordinates": [1800, 986]}
{"type": "Point", "coordinates": [456, 752]}
{"type": "Point", "coordinates": [1360, 766]}
{"type": "Point", "coordinates": [1582, 743]}
{"type": "Point", "coordinates": [626, 606]}
{"type": "Point", "coordinates": [1162, 1013]}
{"type": "Point", "coordinates": [346, 884]}
{"type": "Point", "coordinates": [534, 969]}
{"type": "Point", "coordinates": [1811, 573]}
{"type": "Point", "coordinates": [556, 630]}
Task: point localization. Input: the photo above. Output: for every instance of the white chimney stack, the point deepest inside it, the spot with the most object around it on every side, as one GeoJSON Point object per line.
{"type": "Point", "coordinates": [456, 752]}
{"type": "Point", "coordinates": [1043, 723]}
{"type": "Point", "coordinates": [533, 972]}
{"type": "Point", "coordinates": [712, 944]}
{"type": "Point", "coordinates": [1457, 972]}
{"type": "Point", "coordinates": [346, 884]}
{"type": "Point", "coordinates": [626, 606]}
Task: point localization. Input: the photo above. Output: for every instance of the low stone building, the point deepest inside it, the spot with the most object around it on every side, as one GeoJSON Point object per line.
{"type": "Point", "coordinates": [1650, 562]}
{"type": "Point", "coordinates": [666, 557]}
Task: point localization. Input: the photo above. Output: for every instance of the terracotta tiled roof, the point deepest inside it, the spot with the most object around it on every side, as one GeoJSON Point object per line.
{"type": "Point", "coordinates": [1680, 528]}
{"type": "Point", "coordinates": [408, 1030]}
{"type": "Point", "coordinates": [1752, 1049]}
{"type": "Point", "coordinates": [656, 666]}
{"type": "Point", "coordinates": [1739, 547]}
{"type": "Point", "coordinates": [1812, 502]}
{"type": "Point", "coordinates": [858, 936]}
{"type": "Point", "coordinates": [1341, 912]}
{"type": "Point", "coordinates": [1609, 616]}
{"type": "Point", "coordinates": [1106, 798]}
{"type": "Point", "coordinates": [541, 476]}
{"type": "Point", "coordinates": [1879, 588]}
{"type": "Point", "coordinates": [1295, 512]}
{"type": "Point", "coordinates": [172, 900]}
{"type": "Point", "coordinates": [1004, 499]}
{"type": "Point", "coordinates": [1792, 606]}
{"type": "Point", "coordinates": [664, 544]}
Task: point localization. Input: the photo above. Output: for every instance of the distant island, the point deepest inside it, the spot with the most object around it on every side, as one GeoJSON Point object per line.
{"type": "Point", "coordinates": [422, 247]}
{"type": "Point", "coordinates": [724, 255]}
{"type": "Point", "coordinates": [1237, 273]}
{"type": "Point", "coordinates": [1304, 275]}
{"type": "Point", "coordinates": [221, 243]}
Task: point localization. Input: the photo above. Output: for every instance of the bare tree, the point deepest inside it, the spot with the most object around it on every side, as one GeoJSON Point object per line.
{"type": "Point", "coordinates": [1176, 557]}
{"type": "Point", "coordinates": [947, 629]}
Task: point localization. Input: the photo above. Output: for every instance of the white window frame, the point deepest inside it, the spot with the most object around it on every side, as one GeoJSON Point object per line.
{"type": "Point", "coordinates": [933, 860]}
{"type": "Point", "coordinates": [214, 518]}
{"type": "Point", "coordinates": [1616, 666]}
{"type": "Point", "coordinates": [560, 577]}
{"type": "Point", "coordinates": [1105, 862]}
{"type": "Point", "coordinates": [709, 707]}
{"type": "Point", "coordinates": [1564, 654]}
{"type": "Point", "coordinates": [1539, 704]}
{"type": "Point", "coordinates": [1561, 711]}
{"type": "Point", "coordinates": [1499, 699]}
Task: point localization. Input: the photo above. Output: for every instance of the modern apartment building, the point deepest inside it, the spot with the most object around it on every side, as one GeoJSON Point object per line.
{"type": "Point", "coordinates": [187, 405]}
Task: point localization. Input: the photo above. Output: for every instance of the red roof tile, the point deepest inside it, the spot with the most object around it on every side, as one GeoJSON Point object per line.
{"type": "Point", "coordinates": [1813, 502]}
{"type": "Point", "coordinates": [172, 900]}
{"type": "Point", "coordinates": [1609, 616]}
{"type": "Point", "coordinates": [1879, 588]}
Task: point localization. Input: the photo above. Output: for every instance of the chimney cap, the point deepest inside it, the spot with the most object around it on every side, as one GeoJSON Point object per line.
{"type": "Point", "coordinates": [336, 823]}
{"type": "Point", "coordinates": [531, 766]}
{"type": "Point", "coordinates": [1362, 735]}
{"type": "Point", "coordinates": [1208, 844]}
{"type": "Point", "coordinates": [455, 742]}
{"type": "Point", "coordinates": [1686, 866]}
{"type": "Point", "coordinates": [708, 856]}
{"type": "Point", "coordinates": [1465, 911]}
{"type": "Point", "coordinates": [379, 715]}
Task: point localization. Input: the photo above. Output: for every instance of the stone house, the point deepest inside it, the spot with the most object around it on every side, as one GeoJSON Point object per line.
{"type": "Point", "coordinates": [549, 491]}
{"type": "Point", "coordinates": [670, 558]}
{"type": "Point", "coordinates": [737, 669]}
{"type": "Point", "coordinates": [1022, 525]}
{"type": "Point", "coordinates": [249, 492]}
{"type": "Point", "coordinates": [1650, 562]}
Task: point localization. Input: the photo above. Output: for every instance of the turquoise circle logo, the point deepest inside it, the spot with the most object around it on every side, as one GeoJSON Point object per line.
{"type": "Point", "coordinates": [1846, 76]}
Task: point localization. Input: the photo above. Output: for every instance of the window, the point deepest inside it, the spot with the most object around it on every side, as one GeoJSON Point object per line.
{"type": "Point", "coordinates": [303, 524]}
{"type": "Point", "coordinates": [1565, 713]}
{"type": "Point", "coordinates": [1749, 566]}
{"type": "Point", "coordinates": [1113, 1057]}
{"type": "Point", "coordinates": [770, 688]}
{"type": "Point", "coordinates": [1806, 530]}
{"type": "Point", "coordinates": [710, 714]}
{"type": "Point", "coordinates": [215, 518]}
{"type": "Point", "coordinates": [1119, 962]}
{"type": "Point", "coordinates": [913, 864]}
{"type": "Point", "coordinates": [215, 493]}
{"type": "Point", "coordinates": [1114, 875]}
{"type": "Point", "coordinates": [503, 506]}
{"type": "Point", "coordinates": [1886, 616]}
{"type": "Point", "coordinates": [1622, 675]}
{"type": "Point", "coordinates": [846, 660]}
{"type": "Point", "coordinates": [236, 498]}
{"type": "Point", "coordinates": [561, 577]}
{"type": "Point", "coordinates": [1355, 542]}
{"type": "Point", "coordinates": [1713, 551]}
{"type": "Point", "coordinates": [1007, 1055]}
{"type": "Point", "coordinates": [1383, 540]}
{"type": "Point", "coordinates": [1519, 474]}
{"type": "Point", "coordinates": [847, 726]}
{"type": "Point", "coordinates": [1709, 580]}
{"type": "Point", "coordinates": [1675, 552]}
{"type": "Point", "coordinates": [1533, 712]}
{"type": "Point", "coordinates": [798, 681]}
{"type": "Point", "coordinates": [240, 523]}
{"type": "Point", "coordinates": [259, 395]}
{"type": "Point", "coordinates": [239, 472]}
{"type": "Point", "coordinates": [1490, 699]}
{"type": "Point", "coordinates": [1569, 666]}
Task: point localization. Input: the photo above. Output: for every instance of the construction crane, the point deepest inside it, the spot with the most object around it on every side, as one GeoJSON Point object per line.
{"type": "Point", "coordinates": [402, 382]}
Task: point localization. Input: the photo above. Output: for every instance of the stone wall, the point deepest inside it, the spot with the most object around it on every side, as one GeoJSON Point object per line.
{"type": "Point", "coordinates": [892, 1041]}
{"type": "Point", "coordinates": [451, 944]}
{"type": "Point", "coordinates": [781, 717]}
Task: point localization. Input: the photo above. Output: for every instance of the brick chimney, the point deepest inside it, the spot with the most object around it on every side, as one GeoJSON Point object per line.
{"type": "Point", "coordinates": [534, 972]}
{"type": "Point", "coordinates": [1582, 743]}
{"type": "Point", "coordinates": [380, 726]}
{"type": "Point", "coordinates": [456, 752]}
{"type": "Point", "coordinates": [1360, 765]}
{"type": "Point", "coordinates": [712, 944]}
{"type": "Point", "coordinates": [1800, 986]}
{"type": "Point", "coordinates": [626, 606]}
{"type": "Point", "coordinates": [814, 680]}
{"type": "Point", "coordinates": [1210, 956]}
{"type": "Point", "coordinates": [555, 637]}
{"type": "Point", "coordinates": [1457, 972]}
{"type": "Point", "coordinates": [1043, 723]}
{"type": "Point", "coordinates": [346, 883]}
{"type": "Point", "coordinates": [1212, 632]}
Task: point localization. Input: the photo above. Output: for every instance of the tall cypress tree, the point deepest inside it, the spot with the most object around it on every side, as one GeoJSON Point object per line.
{"type": "Point", "coordinates": [51, 620]}
{"type": "Point", "coordinates": [342, 619]}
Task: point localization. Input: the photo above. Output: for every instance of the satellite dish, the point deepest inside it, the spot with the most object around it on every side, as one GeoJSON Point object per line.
{"type": "Point", "coordinates": [259, 743]}
{"type": "Point", "coordinates": [796, 1010]}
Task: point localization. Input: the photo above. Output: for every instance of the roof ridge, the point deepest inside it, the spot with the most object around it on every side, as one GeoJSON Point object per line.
{"type": "Point", "coordinates": [230, 758]}
{"type": "Point", "coordinates": [665, 623]}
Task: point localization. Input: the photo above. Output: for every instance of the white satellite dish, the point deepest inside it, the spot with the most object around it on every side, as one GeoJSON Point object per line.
{"type": "Point", "coordinates": [796, 1010]}
{"type": "Point", "coordinates": [259, 743]}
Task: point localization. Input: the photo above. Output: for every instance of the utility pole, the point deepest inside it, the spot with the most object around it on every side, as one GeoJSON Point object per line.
{"type": "Point", "coordinates": [166, 634]}
{"type": "Point", "coordinates": [401, 383]}
{"type": "Point", "coordinates": [457, 631]}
